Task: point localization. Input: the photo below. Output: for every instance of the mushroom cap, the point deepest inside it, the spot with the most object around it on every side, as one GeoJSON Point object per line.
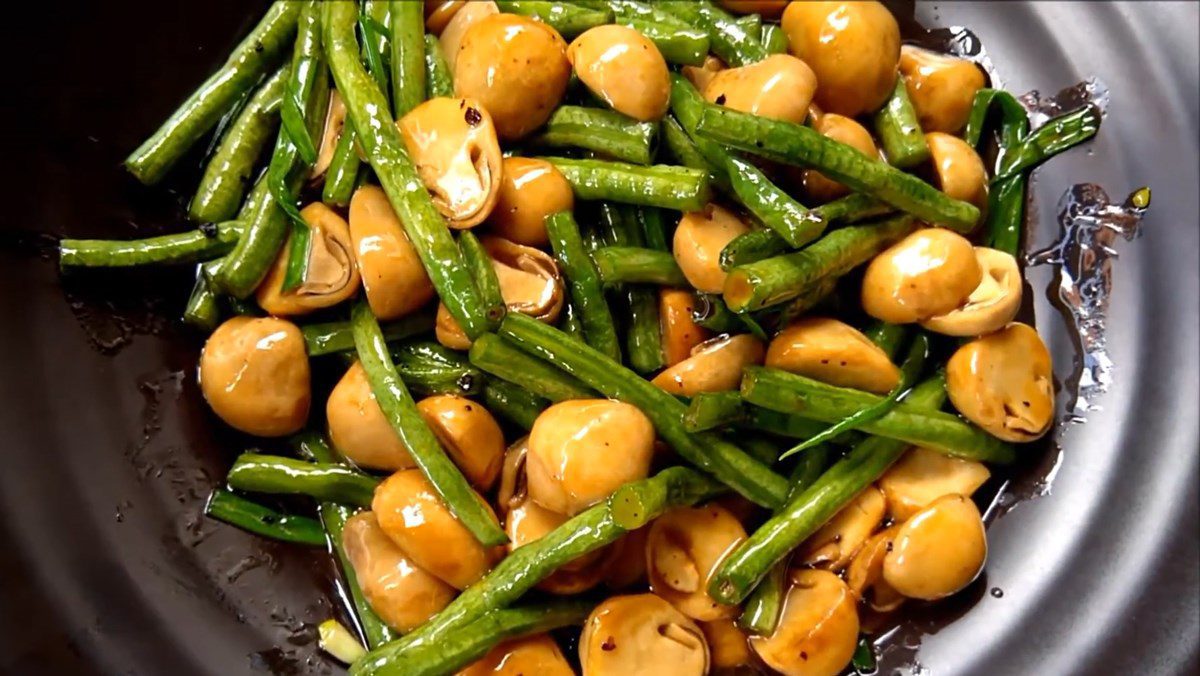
{"type": "Point", "coordinates": [1003, 383]}
{"type": "Point", "coordinates": [459, 20]}
{"type": "Point", "coordinates": [833, 352]}
{"type": "Point", "coordinates": [254, 374]}
{"type": "Point", "coordinates": [470, 435]}
{"type": "Point", "coordinates": [992, 305]}
{"type": "Point", "coordinates": [685, 547]}
{"type": "Point", "coordinates": [393, 276]}
{"type": "Point", "coordinates": [335, 121]}
{"type": "Point", "coordinates": [698, 241]}
{"type": "Point", "coordinates": [332, 275]}
{"type": "Point", "coordinates": [357, 427]}
{"type": "Point", "coordinates": [641, 634]}
{"type": "Point", "coordinates": [715, 365]}
{"type": "Point", "coordinates": [818, 628]}
{"type": "Point", "coordinates": [701, 75]}
{"type": "Point", "coordinates": [941, 87]}
{"type": "Point", "coordinates": [530, 190]}
{"type": "Point", "coordinates": [928, 273]}
{"type": "Point", "coordinates": [728, 646]}
{"type": "Point", "coordinates": [938, 551]}
{"type": "Point", "coordinates": [924, 475]}
{"type": "Point", "coordinates": [536, 655]}
{"type": "Point", "coordinates": [779, 87]}
{"type": "Point", "coordinates": [624, 68]}
{"type": "Point", "coordinates": [680, 332]}
{"type": "Point", "coordinates": [958, 168]}
{"type": "Point", "coordinates": [438, 13]}
{"type": "Point", "coordinates": [836, 543]}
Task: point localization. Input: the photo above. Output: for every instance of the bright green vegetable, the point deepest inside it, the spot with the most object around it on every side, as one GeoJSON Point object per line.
{"type": "Point", "coordinates": [202, 311]}
{"type": "Point", "coordinates": [730, 41]}
{"type": "Point", "coordinates": [606, 132]}
{"type": "Point", "coordinates": [567, 19]}
{"type": "Point", "coordinates": [408, 56]}
{"type": "Point", "coordinates": [504, 360]}
{"type": "Point", "coordinates": [752, 247]}
{"type": "Point", "coordinates": [439, 81]}
{"type": "Point", "coordinates": [256, 473]}
{"type": "Point", "coordinates": [251, 516]}
{"type": "Point", "coordinates": [899, 130]}
{"type": "Point", "coordinates": [669, 187]}
{"type": "Point", "coordinates": [583, 280]}
{"type": "Point", "coordinates": [637, 265]}
{"type": "Point", "coordinates": [331, 337]}
{"type": "Point", "coordinates": [484, 273]}
{"type": "Point", "coordinates": [634, 9]}
{"type": "Point", "coordinates": [1057, 135]}
{"type": "Point", "coordinates": [643, 334]}
{"type": "Point", "coordinates": [710, 410]}
{"type": "Point", "coordinates": [207, 242]}
{"type": "Point", "coordinates": [684, 46]}
{"type": "Point", "coordinates": [774, 40]}
{"type": "Point", "coordinates": [509, 401]}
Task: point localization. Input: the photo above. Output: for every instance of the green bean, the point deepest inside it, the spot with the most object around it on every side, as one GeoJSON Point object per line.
{"type": "Point", "coordinates": [625, 10]}
{"type": "Point", "coordinates": [785, 425]}
{"type": "Point", "coordinates": [752, 247]}
{"type": "Point", "coordinates": [426, 229]}
{"type": "Point", "coordinates": [408, 56]}
{"type": "Point", "coordinates": [341, 178]}
{"type": "Point", "coordinates": [752, 24]}
{"type": "Point", "coordinates": [606, 132]}
{"type": "Point", "coordinates": [1006, 199]}
{"type": "Point", "coordinates": [401, 412]}
{"type": "Point", "coordinates": [568, 20]}
{"type": "Point", "coordinates": [504, 360]}
{"type": "Point", "coordinates": [707, 451]}
{"type": "Point", "coordinates": [584, 282]}
{"type": "Point", "coordinates": [850, 209]}
{"type": "Point", "coordinates": [765, 603]}
{"type": "Point", "coordinates": [810, 298]}
{"type": "Point", "coordinates": [681, 148]}
{"type": "Point", "coordinates": [256, 473]}
{"type": "Point", "coordinates": [654, 228]}
{"type": "Point", "coordinates": [666, 186]}
{"type": "Point", "coordinates": [730, 41]}
{"type": "Point", "coordinates": [202, 310]}
{"type": "Point", "coordinates": [711, 312]}
{"type": "Point", "coordinates": [427, 379]}
{"type": "Point", "coordinates": [229, 169]}
{"type": "Point", "coordinates": [439, 81]}
{"type": "Point", "coordinates": [251, 516]}
{"type": "Point", "coordinates": [864, 661]}
{"type": "Point", "coordinates": [637, 265]}
{"type": "Point", "coordinates": [570, 323]}
{"type": "Point", "coordinates": [331, 337]}
{"type": "Point", "coordinates": [776, 280]}
{"type": "Point", "coordinates": [710, 410]}
{"type": "Point", "coordinates": [630, 507]}
{"type": "Point", "coordinates": [944, 432]}
{"type": "Point", "coordinates": [684, 46]}
{"type": "Point", "coordinates": [509, 401]}
{"type": "Point", "coordinates": [1014, 123]}
{"type": "Point", "coordinates": [643, 335]}
{"type": "Point", "coordinates": [799, 145]}
{"type": "Point", "coordinates": [1056, 136]}
{"type": "Point", "coordinates": [1006, 214]}
{"type": "Point", "coordinates": [205, 243]}
{"type": "Point", "coordinates": [484, 273]}
{"type": "Point", "coordinates": [774, 40]}
{"type": "Point", "coordinates": [809, 509]}
{"type": "Point", "coordinates": [886, 337]}
{"type": "Point", "coordinates": [899, 130]}
{"type": "Point", "coordinates": [251, 59]}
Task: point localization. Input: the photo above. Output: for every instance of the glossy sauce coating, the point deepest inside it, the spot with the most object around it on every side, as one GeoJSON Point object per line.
{"type": "Point", "coordinates": [714, 366]}
{"type": "Point", "coordinates": [1003, 383]}
{"type": "Point", "coordinates": [684, 549]}
{"type": "Point", "coordinates": [530, 190]}
{"type": "Point", "coordinates": [332, 275]}
{"type": "Point", "coordinates": [624, 69]}
{"type": "Point", "coordinates": [641, 634]}
{"type": "Point", "coordinates": [393, 276]}
{"type": "Point", "coordinates": [357, 427]}
{"type": "Point", "coordinates": [833, 352]}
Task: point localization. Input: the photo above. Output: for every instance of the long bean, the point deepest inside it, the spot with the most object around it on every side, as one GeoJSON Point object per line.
{"type": "Point", "coordinates": [637, 265]}
{"type": "Point", "coordinates": [643, 330]}
{"type": "Point", "coordinates": [730, 41]}
{"type": "Point", "coordinates": [587, 295]}
{"type": "Point", "coordinates": [251, 516]}
{"type": "Point", "coordinates": [205, 243]}
{"type": "Point", "coordinates": [710, 410]}
{"type": "Point", "coordinates": [812, 296]}
{"type": "Point", "coordinates": [408, 56]}
{"type": "Point", "coordinates": [261, 50]}
{"type": "Point", "coordinates": [776, 280]}
{"type": "Point", "coordinates": [603, 131]}
{"type": "Point", "coordinates": [257, 473]}
{"type": "Point", "coordinates": [332, 337]}
{"type": "Point", "coordinates": [426, 230]}
{"type": "Point", "coordinates": [439, 81]}
{"type": "Point", "coordinates": [684, 46]}
{"type": "Point", "coordinates": [945, 432]}
{"type": "Point", "coordinates": [1057, 135]}
{"type": "Point", "coordinates": [634, 9]}
{"type": "Point", "coordinates": [484, 273]}
{"type": "Point", "coordinates": [707, 451]}
{"type": "Point", "coordinates": [774, 39]}
{"type": "Point", "coordinates": [521, 407]}
{"type": "Point", "coordinates": [203, 310]}
{"type": "Point", "coordinates": [230, 169]}
{"type": "Point", "coordinates": [1006, 199]}
{"type": "Point", "coordinates": [402, 414]}
{"type": "Point", "coordinates": [568, 20]}
{"type": "Point", "coordinates": [751, 247]}
{"type": "Point", "coordinates": [504, 360]}
{"type": "Point", "coordinates": [666, 186]}
{"type": "Point", "coordinates": [799, 145]}
{"type": "Point", "coordinates": [681, 148]}
{"type": "Point", "coordinates": [899, 130]}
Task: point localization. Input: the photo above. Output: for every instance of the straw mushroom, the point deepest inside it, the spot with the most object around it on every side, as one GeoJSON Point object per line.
{"type": "Point", "coordinates": [714, 366]}
{"type": "Point", "coordinates": [818, 186]}
{"type": "Point", "coordinates": [470, 435]}
{"type": "Point", "coordinates": [331, 276]}
{"type": "Point", "coordinates": [780, 87]}
{"type": "Point", "coordinates": [941, 87]}
{"type": "Point", "coordinates": [528, 522]}
{"type": "Point", "coordinates": [624, 68]}
{"type": "Point", "coordinates": [728, 646]}
{"type": "Point", "coordinates": [438, 13]}
{"type": "Point", "coordinates": [924, 475]}
{"type": "Point", "coordinates": [992, 305]}
{"type": "Point", "coordinates": [928, 273]}
{"type": "Point", "coordinates": [393, 276]}
{"type": "Point", "coordinates": [357, 427]}
{"type": "Point", "coordinates": [701, 75]}
{"type": "Point", "coordinates": [641, 634]}
{"type": "Point", "coordinates": [684, 549]}
{"type": "Point", "coordinates": [335, 122]}
{"type": "Point", "coordinates": [530, 190]}
{"type": "Point", "coordinates": [836, 543]}
{"type": "Point", "coordinates": [833, 352]}
{"type": "Point", "coordinates": [939, 551]}
{"type": "Point", "coordinates": [680, 333]}
{"type": "Point", "coordinates": [698, 241]}
{"type": "Point", "coordinates": [818, 628]}
{"type": "Point", "coordinates": [1002, 382]}
{"type": "Point", "coordinates": [535, 655]}
{"type": "Point", "coordinates": [958, 169]}
{"type": "Point", "coordinates": [458, 20]}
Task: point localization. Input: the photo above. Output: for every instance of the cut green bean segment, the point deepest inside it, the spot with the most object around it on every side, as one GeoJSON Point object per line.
{"type": "Point", "coordinates": [342, 176]}
{"type": "Point", "coordinates": [752, 247]}
{"type": "Point", "coordinates": [587, 294]}
{"type": "Point", "coordinates": [899, 130]}
{"type": "Point", "coordinates": [752, 24]}
{"type": "Point", "coordinates": [850, 209]}
{"type": "Point", "coordinates": [765, 603]}
{"type": "Point", "coordinates": [439, 81]}
{"type": "Point", "coordinates": [707, 451]}
{"type": "Point", "coordinates": [812, 297]}
{"type": "Point", "coordinates": [944, 432]}
{"type": "Point", "coordinates": [230, 169]}
{"type": "Point", "coordinates": [1006, 214]}
{"type": "Point", "coordinates": [332, 337]}
{"type": "Point", "coordinates": [711, 312]}
{"type": "Point", "coordinates": [864, 661]}
{"type": "Point", "coordinates": [606, 132]}
{"type": "Point", "coordinates": [504, 360]}
{"type": "Point", "coordinates": [1006, 199]}
{"type": "Point", "coordinates": [681, 148]}
{"type": "Point", "coordinates": [368, 111]}
{"type": "Point", "coordinates": [408, 56]}
{"type": "Point", "coordinates": [1014, 121]}
{"type": "Point", "coordinates": [777, 280]}
{"type": "Point", "coordinates": [634, 9]}
{"type": "Point", "coordinates": [207, 242]}
{"type": "Point", "coordinates": [260, 51]}
{"type": "Point", "coordinates": [401, 412]}
{"type": "Point", "coordinates": [257, 473]}
{"type": "Point", "coordinates": [1055, 136]}
{"type": "Point", "coordinates": [203, 310]}
{"type": "Point", "coordinates": [570, 323]}
{"type": "Point", "coordinates": [666, 186]}
{"type": "Point", "coordinates": [774, 39]}
{"type": "Point", "coordinates": [629, 508]}
{"type": "Point", "coordinates": [887, 337]}
{"type": "Point", "coordinates": [567, 19]}
{"type": "Point", "coordinates": [731, 41]}
{"type": "Point", "coordinates": [808, 510]}
{"type": "Point", "coordinates": [654, 228]}
{"type": "Point", "coordinates": [684, 46]}
{"type": "Point", "coordinates": [801, 146]}
{"type": "Point", "coordinates": [255, 518]}
{"type": "Point", "coordinates": [710, 410]}
{"type": "Point", "coordinates": [518, 406]}
{"type": "Point", "coordinates": [637, 265]}
{"type": "Point", "coordinates": [643, 331]}
{"type": "Point", "coordinates": [484, 273]}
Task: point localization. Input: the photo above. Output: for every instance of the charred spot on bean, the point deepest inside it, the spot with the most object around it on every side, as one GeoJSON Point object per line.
{"type": "Point", "coordinates": [466, 382]}
{"type": "Point", "coordinates": [473, 117]}
{"type": "Point", "coordinates": [209, 230]}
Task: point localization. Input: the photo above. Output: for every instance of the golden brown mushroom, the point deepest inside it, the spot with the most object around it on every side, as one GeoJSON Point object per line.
{"type": "Point", "coordinates": [684, 549]}
{"type": "Point", "coordinates": [517, 68]}
{"type": "Point", "coordinates": [866, 569]}
{"type": "Point", "coordinates": [454, 146]}
{"type": "Point", "coordinates": [924, 475]}
{"type": "Point", "coordinates": [680, 333]}
{"type": "Point", "coordinates": [714, 366]}
{"type": "Point", "coordinates": [528, 522]}
{"type": "Point", "coordinates": [836, 543]}
{"type": "Point", "coordinates": [629, 562]}
{"type": "Point", "coordinates": [335, 121]}
{"type": "Point", "coordinates": [393, 276]}
{"type": "Point", "coordinates": [817, 630]}
{"type": "Point", "coordinates": [357, 427]}
{"type": "Point", "coordinates": [438, 13]}
{"type": "Point", "coordinates": [580, 451]}
{"type": "Point", "coordinates": [698, 241]}
{"type": "Point", "coordinates": [460, 20]}
{"type": "Point", "coordinates": [818, 186]}
{"type": "Point", "coordinates": [928, 273]}
{"type": "Point", "coordinates": [727, 645]}
{"type": "Point", "coordinates": [416, 519]}
{"type": "Point", "coordinates": [939, 551]}
{"type": "Point", "coordinates": [332, 276]}
{"type": "Point", "coordinates": [530, 190]}
{"type": "Point", "coordinates": [641, 634]}
{"type": "Point", "coordinates": [513, 485]}
{"type": "Point", "coordinates": [992, 305]}
{"type": "Point", "coordinates": [941, 87]}
{"type": "Point", "coordinates": [853, 47]}
{"type": "Point", "coordinates": [624, 68]}
{"type": "Point", "coordinates": [958, 169]}
{"type": "Point", "coordinates": [254, 374]}
{"type": "Point", "coordinates": [780, 87]}
{"type": "Point", "coordinates": [1002, 382]}
{"type": "Point", "coordinates": [470, 435]}
{"type": "Point", "coordinates": [701, 75]}
{"type": "Point", "coordinates": [833, 352]}
{"type": "Point", "coordinates": [402, 594]}
{"type": "Point", "coordinates": [529, 656]}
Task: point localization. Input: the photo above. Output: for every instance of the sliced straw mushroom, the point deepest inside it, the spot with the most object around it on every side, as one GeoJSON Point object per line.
{"type": "Point", "coordinates": [580, 451]}
{"type": "Point", "coordinates": [683, 551]}
{"type": "Point", "coordinates": [866, 569]}
{"type": "Point", "coordinates": [958, 169]}
{"type": "Point", "coordinates": [680, 332]}
{"type": "Point", "coordinates": [1002, 382]}
{"type": "Point", "coordinates": [530, 283]}
{"type": "Point", "coordinates": [818, 628]}
{"type": "Point", "coordinates": [992, 305]}
{"type": "Point", "coordinates": [624, 68]}
{"type": "Point", "coordinates": [698, 241]}
{"type": "Point", "coordinates": [528, 522]}
{"type": "Point", "coordinates": [928, 273]}
{"type": "Point", "coordinates": [401, 593]}
{"type": "Point", "coordinates": [454, 146]}
{"type": "Point", "coordinates": [358, 428]}
{"type": "Point", "coordinates": [714, 366]}
{"type": "Point", "coordinates": [835, 544]}
{"type": "Point", "coordinates": [924, 475]}
{"type": "Point", "coordinates": [629, 563]}
{"type": "Point", "coordinates": [439, 12]}
{"type": "Point", "coordinates": [530, 190]}
{"type": "Point", "coordinates": [641, 634]}
{"type": "Point", "coordinates": [470, 435]}
{"type": "Point", "coordinates": [335, 121]}
{"type": "Point", "coordinates": [728, 646]}
{"type": "Point", "coordinates": [701, 75]}
{"type": "Point", "coordinates": [513, 485]}
{"type": "Point", "coordinates": [833, 352]}
{"type": "Point", "coordinates": [941, 87]}
{"type": "Point", "coordinates": [939, 551]}
{"type": "Point", "coordinates": [818, 186]}
{"type": "Point", "coordinates": [535, 655]}
{"type": "Point", "coordinates": [458, 21]}
{"type": "Point", "coordinates": [393, 276]}
{"type": "Point", "coordinates": [416, 519]}
{"type": "Point", "coordinates": [780, 87]}
{"type": "Point", "coordinates": [332, 274]}
{"type": "Point", "coordinates": [254, 374]}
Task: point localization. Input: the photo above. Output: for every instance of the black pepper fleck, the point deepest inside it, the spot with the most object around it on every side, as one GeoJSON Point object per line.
{"type": "Point", "coordinates": [209, 230]}
{"type": "Point", "coordinates": [721, 100]}
{"type": "Point", "coordinates": [473, 117]}
{"type": "Point", "coordinates": [609, 644]}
